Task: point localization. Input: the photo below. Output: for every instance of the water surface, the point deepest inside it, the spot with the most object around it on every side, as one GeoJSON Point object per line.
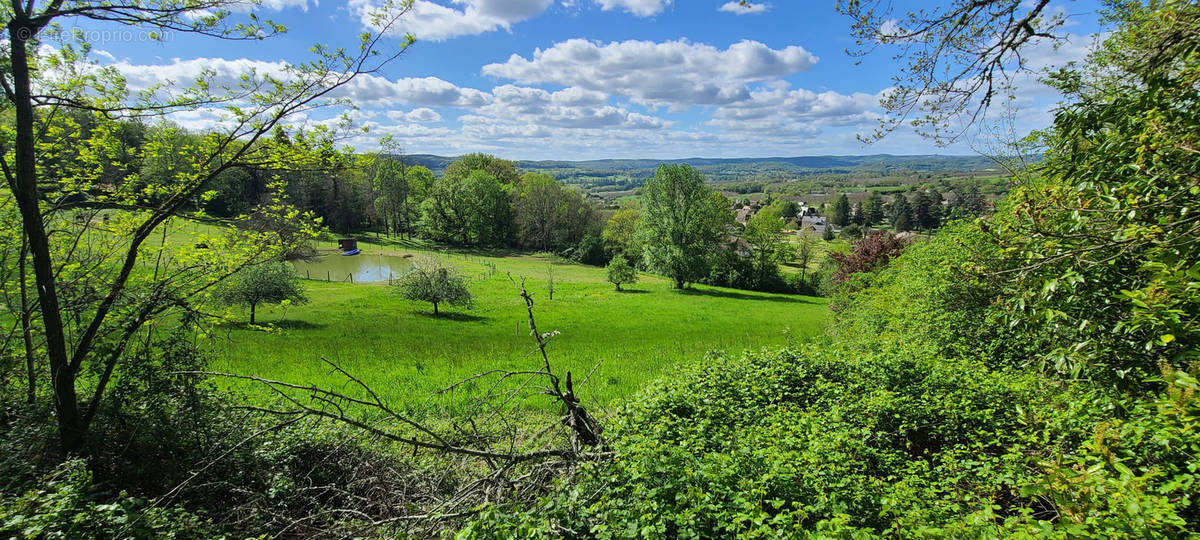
{"type": "Point", "coordinates": [363, 268]}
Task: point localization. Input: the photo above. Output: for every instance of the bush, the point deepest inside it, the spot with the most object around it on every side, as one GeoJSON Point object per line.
{"type": "Point", "coordinates": [67, 506]}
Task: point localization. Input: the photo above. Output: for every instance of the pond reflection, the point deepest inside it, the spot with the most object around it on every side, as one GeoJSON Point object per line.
{"type": "Point", "coordinates": [361, 268]}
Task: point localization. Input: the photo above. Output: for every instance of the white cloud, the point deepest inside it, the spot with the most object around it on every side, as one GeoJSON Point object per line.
{"type": "Point", "coordinates": [438, 22]}
{"type": "Point", "coordinates": [419, 115]}
{"type": "Point", "coordinates": [640, 8]}
{"type": "Point", "coordinates": [677, 74]}
{"type": "Point", "coordinates": [375, 91]}
{"type": "Point", "coordinates": [739, 8]}
{"type": "Point", "coordinates": [568, 108]}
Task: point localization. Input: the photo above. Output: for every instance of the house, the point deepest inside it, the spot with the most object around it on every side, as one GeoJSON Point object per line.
{"type": "Point", "coordinates": [745, 213]}
{"type": "Point", "coordinates": [738, 245]}
{"type": "Point", "coordinates": [815, 223]}
{"type": "Point", "coordinates": [347, 244]}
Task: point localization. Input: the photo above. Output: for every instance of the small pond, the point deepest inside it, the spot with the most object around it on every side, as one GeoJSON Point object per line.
{"type": "Point", "coordinates": [364, 267]}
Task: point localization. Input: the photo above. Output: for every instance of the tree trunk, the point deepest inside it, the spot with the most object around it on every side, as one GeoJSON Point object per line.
{"type": "Point", "coordinates": [27, 330]}
{"type": "Point", "coordinates": [435, 311]}
{"type": "Point", "coordinates": [62, 372]}
{"type": "Point", "coordinates": [252, 305]}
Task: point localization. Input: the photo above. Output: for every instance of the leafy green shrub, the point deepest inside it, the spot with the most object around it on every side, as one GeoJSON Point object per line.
{"type": "Point", "coordinates": [65, 506]}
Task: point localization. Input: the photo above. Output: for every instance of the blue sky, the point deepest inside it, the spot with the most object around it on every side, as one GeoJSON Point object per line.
{"type": "Point", "coordinates": [587, 79]}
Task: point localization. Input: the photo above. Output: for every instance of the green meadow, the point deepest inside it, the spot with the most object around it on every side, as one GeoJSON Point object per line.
{"type": "Point", "coordinates": [613, 341]}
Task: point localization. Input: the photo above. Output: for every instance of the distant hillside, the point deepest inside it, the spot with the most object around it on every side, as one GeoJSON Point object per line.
{"type": "Point", "coordinates": [634, 171]}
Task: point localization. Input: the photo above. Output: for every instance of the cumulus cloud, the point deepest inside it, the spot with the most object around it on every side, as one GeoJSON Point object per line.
{"type": "Point", "coordinates": [567, 108]}
{"type": "Point", "coordinates": [673, 73]}
{"type": "Point", "coordinates": [747, 8]}
{"type": "Point", "coordinates": [438, 21]}
{"type": "Point", "coordinates": [376, 91]}
{"type": "Point", "coordinates": [418, 115]}
{"type": "Point", "coordinates": [640, 8]}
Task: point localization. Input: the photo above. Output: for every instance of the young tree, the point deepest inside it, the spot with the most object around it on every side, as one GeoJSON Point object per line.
{"type": "Point", "coordinates": [804, 253]}
{"type": "Point", "coordinates": [51, 164]}
{"type": "Point", "coordinates": [841, 211]}
{"type": "Point", "coordinates": [683, 222]}
{"type": "Point", "coordinates": [621, 272]}
{"type": "Point", "coordinates": [436, 283]}
{"type": "Point", "coordinates": [268, 282]}
{"type": "Point", "coordinates": [827, 234]}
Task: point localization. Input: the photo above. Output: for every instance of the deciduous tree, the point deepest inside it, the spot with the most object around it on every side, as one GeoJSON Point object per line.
{"type": "Point", "coordinates": [92, 302]}
{"type": "Point", "coordinates": [274, 281]}
{"type": "Point", "coordinates": [432, 281]}
{"type": "Point", "coordinates": [683, 222]}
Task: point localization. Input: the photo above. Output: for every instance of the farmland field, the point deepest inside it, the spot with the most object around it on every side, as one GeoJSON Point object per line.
{"type": "Point", "coordinates": [622, 339]}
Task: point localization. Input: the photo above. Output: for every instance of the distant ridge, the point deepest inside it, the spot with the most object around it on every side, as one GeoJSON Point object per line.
{"type": "Point", "coordinates": [734, 169]}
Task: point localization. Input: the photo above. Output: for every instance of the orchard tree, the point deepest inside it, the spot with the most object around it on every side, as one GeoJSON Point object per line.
{"type": "Point", "coordinates": [268, 282]}
{"type": "Point", "coordinates": [432, 281]}
{"type": "Point", "coordinates": [91, 302]}
{"type": "Point", "coordinates": [683, 222]}
{"type": "Point", "coordinates": [621, 272]}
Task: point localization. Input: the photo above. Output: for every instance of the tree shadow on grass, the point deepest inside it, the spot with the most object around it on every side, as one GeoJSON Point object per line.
{"type": "Point", "coordinates": [452, 316]}
{"type": "Point", "coordinates": [632, 291]}
{"type": "Point", "coordinates": [283, 325]}
{"type": "Point", "coordinates": [296, 325]}
{"type": "Point", "coordinates": [744, 296]}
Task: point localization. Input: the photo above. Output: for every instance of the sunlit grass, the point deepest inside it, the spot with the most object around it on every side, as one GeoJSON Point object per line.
{"type": "Point", "coordinates": [617, 341]}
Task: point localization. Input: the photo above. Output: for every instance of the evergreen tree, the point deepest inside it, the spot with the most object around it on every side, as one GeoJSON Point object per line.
{"type": "Point", "coordinates": [902, 219]}
{"type": "Point", "coordinates": [873, 209]}
{"type": "Point", "coordinates": [841, 211]}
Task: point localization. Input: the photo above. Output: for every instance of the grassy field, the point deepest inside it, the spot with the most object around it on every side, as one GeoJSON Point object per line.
{"type": "Point", "coordinates": [623, 339]}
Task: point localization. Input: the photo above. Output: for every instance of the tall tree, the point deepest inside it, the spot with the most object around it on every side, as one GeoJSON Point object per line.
{"type": "Point", "coordinates": [621, 236]}
{"type": "Point", "coordinates": [42, 83]}
{"type": "Point", "coordinates": [764, 234]}
{"type": "Point", "coordinates": [902, 214]}
{"type": "Point", "coordinates": [502, 170]}
{"type": "Point", "coordinates": [683, 222]}
{"type": "Point", "coordinates": [392, 191]}
{"type": "Point", "coordinates": [548, 215]}
{"type": "Point", "coordinates": [873, 209]}
{"type": "Point", "coordinates": [841, 211]}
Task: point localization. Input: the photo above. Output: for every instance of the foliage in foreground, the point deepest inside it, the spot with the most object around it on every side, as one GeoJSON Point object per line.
{"type": "Point", "coordinates": [1032, 374]}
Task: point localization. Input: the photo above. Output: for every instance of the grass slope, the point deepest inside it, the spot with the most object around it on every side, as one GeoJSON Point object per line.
{"type": "Point", "coordinates": [406, 354]}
